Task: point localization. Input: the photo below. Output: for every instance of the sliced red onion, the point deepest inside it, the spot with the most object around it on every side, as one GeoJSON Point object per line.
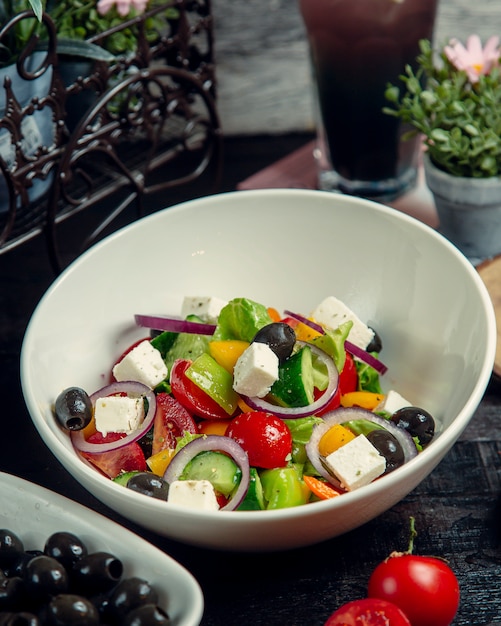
{"type": "Point", "coordinates": [345, 414]}
{"type": "Point", "coordinates": [305, 320]}
{"type": "Point", "coordinates": [260, 404]}
{"type": "Point", "coordinates": [360, 353]}
{"type": "Point", "coordinates": [365, 356]}
{"type": "Point", "coordinates": [213, 443]}
{"type": "Point", "coordinates": [174, 324]}
{"type": "Point", "coordinates": [131, 388]}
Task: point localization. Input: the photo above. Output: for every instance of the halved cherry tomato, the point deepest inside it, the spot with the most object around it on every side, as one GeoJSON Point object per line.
{"type": "Point", "coordinates": [194, 399]}
{"type": "Point", "coordinates": [424, 587]}
{"type": "Point", "coordinates": [127, 459]}
{"type": "Point", "coordinates": [171, 421]}
{"type": "Point", "coordinates": [368, 612]}
{"type": "Point", "coordinates": [266, 438]}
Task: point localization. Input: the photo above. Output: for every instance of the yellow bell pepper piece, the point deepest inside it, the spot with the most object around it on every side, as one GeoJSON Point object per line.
{"type": "Point", "coordinates": [245, 408]}
{"type": "Point", "coordinates": [305, 332]}
{"type": "Point", "coordinates": [334, 438]}
{"type": "Point", "coordinates": [227, 352]}
{"type": "Point", "coordinates": [158, 462]}
{"type": "Point", "coordinates": [364, 399]}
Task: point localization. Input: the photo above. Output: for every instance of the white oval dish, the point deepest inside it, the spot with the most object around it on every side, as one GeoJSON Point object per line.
{"type": "Point", "coordinates": [34, 513]}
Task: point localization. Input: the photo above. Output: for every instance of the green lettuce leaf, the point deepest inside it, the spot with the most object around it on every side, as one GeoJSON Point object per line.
{"type": "Point", "coordinates": [241, 319]}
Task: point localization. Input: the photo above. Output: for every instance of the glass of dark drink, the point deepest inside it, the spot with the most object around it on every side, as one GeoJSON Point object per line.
{"type": "Point", "coordinates": [357, 47]}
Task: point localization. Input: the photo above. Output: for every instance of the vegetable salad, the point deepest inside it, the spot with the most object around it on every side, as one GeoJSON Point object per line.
{"type": "Point", "coordinates": [237, 406]}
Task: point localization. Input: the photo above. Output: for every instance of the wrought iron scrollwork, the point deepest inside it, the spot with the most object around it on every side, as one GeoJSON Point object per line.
{"type": "Point", "coordinates": [150, 124]}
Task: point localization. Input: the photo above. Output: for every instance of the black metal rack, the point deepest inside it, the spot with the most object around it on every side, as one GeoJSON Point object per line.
{"type": "Point", "coordinates": [126, 129]}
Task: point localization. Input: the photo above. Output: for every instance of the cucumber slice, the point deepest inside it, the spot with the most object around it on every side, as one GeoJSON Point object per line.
{"type": "Point", "coordinates": [295, 385]}
{"type": "Point", "coordinates": [254, 498]}
{"type": "Point", "coordinates": [186, 345]}
{"type": "Point", "coordinates": [123, 477]}
{"type": "Point", "coordinates": [218, 468]}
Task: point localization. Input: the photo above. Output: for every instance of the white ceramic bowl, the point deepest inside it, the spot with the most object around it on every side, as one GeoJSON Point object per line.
{"type": "Point", "coordinates": [34, 513]}
{"type": "Point", "coordinates": [288, 249]}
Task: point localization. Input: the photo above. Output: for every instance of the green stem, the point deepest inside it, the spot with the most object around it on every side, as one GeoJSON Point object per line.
{"type": "Point", "coordinates": [412, 536]}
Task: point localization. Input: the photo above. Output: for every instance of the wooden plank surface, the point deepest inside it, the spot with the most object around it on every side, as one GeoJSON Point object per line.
{"type": "Point", "coordinates": [262, 59]}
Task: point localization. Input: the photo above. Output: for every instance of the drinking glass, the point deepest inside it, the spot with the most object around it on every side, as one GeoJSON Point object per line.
{"type": "Point", "coordinates": [356, 48]}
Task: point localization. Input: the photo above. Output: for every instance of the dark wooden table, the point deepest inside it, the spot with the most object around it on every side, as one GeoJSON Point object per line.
{"type": "Point", "coordinates": [457, 508]}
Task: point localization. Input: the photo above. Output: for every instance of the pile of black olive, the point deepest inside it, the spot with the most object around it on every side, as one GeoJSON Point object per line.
{"type": "Point", "coordinates": [65, 584]}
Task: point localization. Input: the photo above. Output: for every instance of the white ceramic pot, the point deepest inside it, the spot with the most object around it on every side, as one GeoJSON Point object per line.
{"type": "Point", "coordinates": [469, 211]}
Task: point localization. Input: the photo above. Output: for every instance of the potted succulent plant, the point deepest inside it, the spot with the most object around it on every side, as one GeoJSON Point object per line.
{"type": "Point", "coordinates": [454, 100]}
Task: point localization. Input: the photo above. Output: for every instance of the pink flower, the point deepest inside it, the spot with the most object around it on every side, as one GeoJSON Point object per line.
{"type": "Point", "coordinates": [474, 60]}
{"type": "Point", "coordinates": [123, 6]}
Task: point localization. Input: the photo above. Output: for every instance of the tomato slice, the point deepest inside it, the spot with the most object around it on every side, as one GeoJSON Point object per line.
{"type": "Point", "coordinates": [130, 458]}
{"type": "Point", "coordinates": [194, 399]}
{"type": "Point", "coordinates": [368, 612]}
{"type": "Point", "coordinates": [171, 421]}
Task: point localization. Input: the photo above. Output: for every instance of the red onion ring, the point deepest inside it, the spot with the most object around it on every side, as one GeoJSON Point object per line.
{"type": "Point", "coordinates": [131, 388]}
{"type": "Point", "coordinates": [173, 324]}
{"type": "Point", "coordinates": [260, 404]}
{"type": "Point", "coordinates": [360, 353]}
{"type": "Point", "coordinates": [213, 443]}
{"type": "Point", "coordinates": [305, 320]}
{"type": "Point", "coordinates": [345, 414]}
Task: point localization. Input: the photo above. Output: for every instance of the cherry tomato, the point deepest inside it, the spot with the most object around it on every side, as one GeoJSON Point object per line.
{"type": "Point", "coordinates": [424, 587]}
{"type": "Point", "coordinates": [171, 421]}
{"type": "Point", "coordinates": [368, 612]}
{"type": "Point", "coordinates": [194, 399]}
{"type": "Point", "coordinates": [265, 438]}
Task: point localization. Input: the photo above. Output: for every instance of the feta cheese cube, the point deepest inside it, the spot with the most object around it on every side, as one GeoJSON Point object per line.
{"type": "Point", "coordinates": [144, 364]}
{"type": "Point", "coordinates": [206, 308]}
{"type": "Point", "coordinates": [357, 463]}
{"type": "Point", "coordinates": [195, 494]}
{"type": "Point", "coordinates": [118, 414]}
{"type": "Point", "coordinates": [331, 313]}
{"type": "Point", "coordinates": [392, 402]}
{"type": "Point", "coordinates": [255, 370]}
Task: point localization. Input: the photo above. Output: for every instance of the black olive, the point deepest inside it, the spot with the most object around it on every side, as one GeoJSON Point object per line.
{"type": "Point", "coordinates": [22, 618]}
{"type": "Point", "coordinates": [68, 608]}
{"type": "Point", "coordinates": [44, 577]}
{"type": "Point", "coordinates": [375, 344]}
{"type": "Point", "coordinates": [129, 594]}
{"type": "Point", "coordinates": [279, 336]}
{"type": "Point", "coordinates": [96, 572]}
{"type": "Point", "coordinates": [149, 485]}
{"type": "Point", "coordinates": [18, 567]}
{"type": "Point", "coordinates": [147, 615]}
{"type": "Point", "coordinates": [11, 547]}
{"type": "Point", "coordinates": [387, 445]}
{"type": "Point", "coordinates": [73, 408]}
{"type": "Point", "coordinates": [417, 422]}
{"type": "Point", "coordinates": [66, 547]}
{"type": "Point", "coordinates": [11, 592]}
